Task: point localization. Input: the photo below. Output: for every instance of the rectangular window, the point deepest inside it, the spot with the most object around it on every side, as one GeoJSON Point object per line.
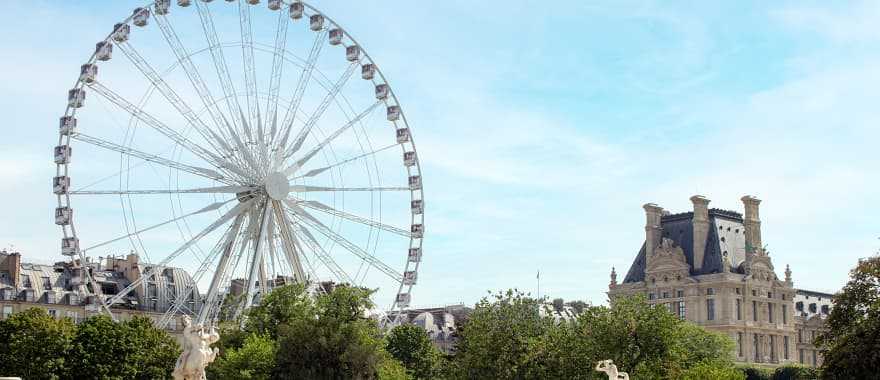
{"type": "Point", "coordinates": [814, 358]}
{"type": "Point", "coordinates": [650, 296]}
{"type": "Point", "coordinates": [770, 312]}
{"type": "Point", "coordinates": [755, 311]}
{"type": "Point", "coordinates": [665, 294]}
{"type": "Point", "coordinates": [801, 337]}
{"type": "Point", "coordinates": [74, 316]}
{"type": "Point", "coordinates": [710, 309]}
{"type": "Point", "coordinates": [739, 343]}
{"type": "Point", "coordinates": [769, 294]}
{"type": "Point", "coordinates": [784, 314]}
{"type": "Point", "coordinates": [710, 291]}
{"type": "Point", "coordinates": [669, 307]}
{"type": "Point", "coordinates": [738, 290]}
{"type": "Point", "coordinates": [50, 297]}
{"type": "Point", "coordinates": [773, 348]}
{"type": "Point", "coordinates": [47, 283]}
{"type": "Point", "coordinates": [7, 311]}
{"type": "Point", "coordinates": [682, 311]}
{"type": "Point", "coordinates": [739, 316]}
{"type": "Point", "coordinates": [679, 293]}
{"type": "Point", "coordinates": [757, 346]}
{"type": "Point", "coordinates": [785, 347]}
{"type": "Point", "coordinates": [801, 356]}
{"type": "Point", "coordinates": [53, 313]}
{"type": "Point", "coordinates": [26, 281]}
{"type": "Point", "coordinates": [754, 293]}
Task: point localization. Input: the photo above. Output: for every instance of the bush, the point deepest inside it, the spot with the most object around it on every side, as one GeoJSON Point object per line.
{"type": "Point", "coordinates": [704, 371]}
{"type": "Point", "coordinates": [795, 372]}
{"type": "Point", "coordinates": [756, 373]}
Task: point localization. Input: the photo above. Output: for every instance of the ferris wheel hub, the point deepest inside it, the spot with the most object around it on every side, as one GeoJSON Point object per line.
{"type": "Point", "coordinates": [277, 186]}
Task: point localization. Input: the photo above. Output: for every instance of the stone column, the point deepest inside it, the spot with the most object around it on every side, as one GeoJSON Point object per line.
{"type": "Point", "coordinates": [752, 224]}
{"type": "Point", "coordinates": [701, 229]}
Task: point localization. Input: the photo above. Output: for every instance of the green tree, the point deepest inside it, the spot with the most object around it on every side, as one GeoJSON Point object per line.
{"type": "Point", "coordinates": [578, 306]}
{"type": "Point", "coordinates": [255, 360]}
{"type": "Point", "coordinates": [280, 307]}
{"type": "Point", "coordinates": [851, 342]}
{"type": "Point", "coordinates": [33, 345]}
{"type": "Point", "coordinates": [495, 342]}
{"type": "Point", "coordinates": [710, 371]}
{"type": "Point", "coordinates": [411, 346]}
{"type": "Point", "coordinates": [558, 304]}
{"type": "Point", "coordinates": [331, 339]}
{"type": "Point", "coordinates": [134, 349]}
{"type": "Point", "coordinates": [795, 372]}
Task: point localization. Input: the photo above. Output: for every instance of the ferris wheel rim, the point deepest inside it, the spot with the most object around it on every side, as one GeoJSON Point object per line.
{"type": "Point", "coordinates": [69, 230]}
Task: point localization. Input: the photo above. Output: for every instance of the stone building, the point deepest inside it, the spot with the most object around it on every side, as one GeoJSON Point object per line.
{"type": "Point", "coordinates": [811, 310]}
{"type": "Point", "coordinates": [439, 323]}
{"type": "Point", "coordinates": [710, 267]}
{"type": "Point", "coordinates": [58, 288]}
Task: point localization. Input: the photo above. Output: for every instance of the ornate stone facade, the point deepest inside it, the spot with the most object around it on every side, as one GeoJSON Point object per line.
{"type": "Point", "coordinates": [709, 267]}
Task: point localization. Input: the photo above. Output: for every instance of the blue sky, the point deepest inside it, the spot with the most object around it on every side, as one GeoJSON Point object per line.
{"type": "Point", "coordinates": [542, 130]}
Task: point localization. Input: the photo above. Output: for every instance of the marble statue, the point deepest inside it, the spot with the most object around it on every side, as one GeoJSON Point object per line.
{"type": "Point", "coordinates": [197, 352]}
{"type": "Point", "coordinates": [608, 367]}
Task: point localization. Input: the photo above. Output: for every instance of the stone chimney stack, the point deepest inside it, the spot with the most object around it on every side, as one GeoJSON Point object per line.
{"type": "Point", "coordinates": [701, 229]}
{"type": "Point", "coordinates": [14, 263]}
{"type": "Point", "coordinates": [653, 231]}
{"type": "Point", "coordinates": [752, 224]}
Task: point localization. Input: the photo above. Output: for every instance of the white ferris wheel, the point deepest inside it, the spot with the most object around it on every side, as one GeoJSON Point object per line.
{"type": "Point", "coordinates": [240, 141]}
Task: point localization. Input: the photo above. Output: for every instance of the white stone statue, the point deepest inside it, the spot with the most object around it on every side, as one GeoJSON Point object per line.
{"type": "Point", "coordinates": [608, 367]}
{"type": "Point", "coordinates": [197, 352]}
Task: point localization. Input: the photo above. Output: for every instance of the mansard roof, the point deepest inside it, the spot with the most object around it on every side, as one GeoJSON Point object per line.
{"type": "Point", "coordinates": [726, 237]}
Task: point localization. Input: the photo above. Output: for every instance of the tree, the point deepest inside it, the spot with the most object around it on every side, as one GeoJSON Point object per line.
{"type": "Point", "coordinates": [253, 361]}
{"type": "Point", "coordinates": [331, 338]}
{"type": "Point", "coordinates": [411, 346]}
{"type": "Point", "coordinates": [558, 304]}
{"type": "Point", "coordinates": [495, 341]}
{"type": "Point", "coordinates": [705, 370]}
{"type": "Point", "coordinates": [578, 306]}
{"type": "Point", "coordinates": [133, 349]}
{"type": "Point", "coordinates": [33, 345]}
{"type": "Point", "coordinates": [850, 343]}
{"type": "Point", "coordinates": [280, 307]}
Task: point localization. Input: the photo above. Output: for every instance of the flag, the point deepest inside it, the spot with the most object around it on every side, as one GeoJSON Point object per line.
{"type": "Point", "coordinates": [538, 276]}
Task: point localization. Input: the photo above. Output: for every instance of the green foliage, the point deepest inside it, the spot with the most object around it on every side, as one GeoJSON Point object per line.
{"type": "Point", "coordinates": [558, 303]}
{"type": "Point", "coordinates": [134, 349]}
{"type": "Point", "coordinates": [495, 341]}
{"type": "Point", "coordinates": [710, 371]}
{"type": "Point", "coordinates": [411, 345]}
{"type": "Point", "coordinates": [254, 360]}
{"type": "Point", "coordinates": [851, 342]}
{"type": "Point", "coordinates": [391, 369]}
{"type": "Point", "coordinates": [578, 306]}
{"type": "Point", "coordinates": [507, 339]}
{"type": "Point", "coordinates": [280, 307]}
{"type": "Point", "coordinates": [332, 339]}
{"type": "Point", "coordinates": [756, 373]}
{"type": "Point", "coordinates": [33, 345]}
{"type": "Point", "coordinates": [795, 372]}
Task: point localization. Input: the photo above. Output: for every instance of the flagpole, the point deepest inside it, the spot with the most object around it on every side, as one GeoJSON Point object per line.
{"type": "Point", "coordinates": [539, 285]}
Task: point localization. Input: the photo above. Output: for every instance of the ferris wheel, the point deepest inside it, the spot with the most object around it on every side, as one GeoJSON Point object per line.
{"type": "Point", "coordinates": [248, 144]}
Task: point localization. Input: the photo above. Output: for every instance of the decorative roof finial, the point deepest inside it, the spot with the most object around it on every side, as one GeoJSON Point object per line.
{"type": "Point", "coordinates": [613, 278]}
{"type": "Point", "coordinates": [787, 273]}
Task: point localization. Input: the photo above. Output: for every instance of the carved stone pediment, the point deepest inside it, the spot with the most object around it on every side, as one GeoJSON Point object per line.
{"type": "Point", "coordinates": [667, 262]}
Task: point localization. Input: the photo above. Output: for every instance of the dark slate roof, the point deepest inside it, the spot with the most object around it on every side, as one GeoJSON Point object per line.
{"type": "Point", "coordinates": [679, 228]}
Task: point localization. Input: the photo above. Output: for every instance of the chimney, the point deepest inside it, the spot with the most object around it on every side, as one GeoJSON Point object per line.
{"type": "Point", "coordinates": [752, 224]}
{"type": "Point", "coordinates": [653, 231]}
{"type": "Point", "coordinates": [701, 229]}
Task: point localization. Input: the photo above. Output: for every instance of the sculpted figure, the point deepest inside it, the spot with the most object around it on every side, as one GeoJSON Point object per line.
{"type": "Point", "coordinates": [197, 352]}
{"type": "Point", "coordinates": [608, 367]}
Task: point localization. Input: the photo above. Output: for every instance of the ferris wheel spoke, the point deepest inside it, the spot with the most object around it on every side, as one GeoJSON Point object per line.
{"type": "Point", "coordinates": [250, 72]}
{"type": "Point", "coordinates": [320, 170]}
{"type": "Point", "coordinates": [312, 189]}
{"type": "Point", "coordinates": [202, 190]}
{"type": "Point", "coordinates": [308, 156]}
{"type": "Point", "coordinates": [256, 262]}
{"type": "Point", "coordinates": [277, 70]}
{"type": "Point", "coordinates": [289, 244]}
{"type": "Point", "coordinates": [192, 73]}
{"type": "Point", "coordinates": [309, 240]}
{"type": "Point", "coordinates": [219, 60]}
{"type": "Point", "coordinates": [202, 172]}
{"type": "Point", "coordinates": [167, 92]}
{"type": "Point", "coordinates": [235, 211]}
{"type": "Point", "coordinates": [301, 85]}
{"type": "Point", "coordinates": [315, 205]}
{"type": "Point", "coordinates": [313, 222]}
{"type": "Point", "coordinates": [178, 303]}
{"type": "Point", "coordinates": [328, 99]}
{"type": "Point", "coordinates": [160, 127]}
{"type": "Point", "coordinates": [228, 246]}
{"type": "Point", "coordinates": [211, 207]}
